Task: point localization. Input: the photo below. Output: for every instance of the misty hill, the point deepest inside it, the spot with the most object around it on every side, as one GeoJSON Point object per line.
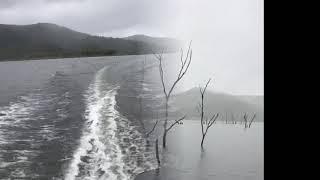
{"type": "Point", "coordinates": [45, 40]}
{"type": "Point", "coordinates": [186, 102]}
{"type": "Point", "coordinates": [156, 42]}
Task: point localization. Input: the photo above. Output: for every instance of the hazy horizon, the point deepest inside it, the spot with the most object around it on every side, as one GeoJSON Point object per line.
{"type": "Point", "coordinates": [76, 105]}
{"type": "Point", "coordinates": [227, 36]}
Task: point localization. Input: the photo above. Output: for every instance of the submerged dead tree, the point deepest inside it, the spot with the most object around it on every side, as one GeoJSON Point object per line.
{"type": "Point", "coordinates": [185, 63]}
{"type": "Point", "coordinates": [205, 122]}
{"type": "Point", "coordinates": [247, 121]}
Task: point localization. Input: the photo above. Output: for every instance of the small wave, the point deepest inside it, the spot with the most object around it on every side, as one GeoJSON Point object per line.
{"type": "Point", "coordinates": [25, 127]}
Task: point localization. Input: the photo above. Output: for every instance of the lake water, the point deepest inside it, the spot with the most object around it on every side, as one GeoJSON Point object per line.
{"type": "Point", "coordinates": [60, 119]}
{"type": "Point", "coordinates": [85, 118]}
{"type": "Point", "coordinates": [230, 152]}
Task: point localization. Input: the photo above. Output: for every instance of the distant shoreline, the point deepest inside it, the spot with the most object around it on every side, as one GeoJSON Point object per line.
{"type": "Point", "coordinates": [51, 58]}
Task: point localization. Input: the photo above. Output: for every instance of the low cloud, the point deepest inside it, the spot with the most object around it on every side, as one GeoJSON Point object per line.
{"type": "Point", "coordinates": [94, 16]}
{"type": "Point", "coordinates": [227, 35]}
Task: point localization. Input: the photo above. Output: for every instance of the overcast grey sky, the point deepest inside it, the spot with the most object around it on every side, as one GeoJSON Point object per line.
{"type": "Point", "coordinates": [227, 34]}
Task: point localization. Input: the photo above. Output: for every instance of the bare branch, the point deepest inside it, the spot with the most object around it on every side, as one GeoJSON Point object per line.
{"type": "Point", "coordinates": [213, 119]}
{"type": "Point", "coordinates": [181, 57]}
{"type": "Point", "coordinates": [154, 126]}
{"type": "Point", "coordinates": [162, 76]}
{"type": "Point", "coordinates": [176, 122]}
{"type": "Point", "coordinates": [157, 56]}
{"type": "Point", "coordinates": [183, 69]}
{"type": "Point", "coordinates": [205, 88]}
{"type": "Point", "coordinates": [245, 118]}
{"type": "Point", "coordinates": [254, 116]}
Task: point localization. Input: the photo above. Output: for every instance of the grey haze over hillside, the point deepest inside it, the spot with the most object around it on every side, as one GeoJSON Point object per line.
{"type": "Point", "coordinates": [215, 102]}
{"type": "Point", "coordinates": [228, 36]}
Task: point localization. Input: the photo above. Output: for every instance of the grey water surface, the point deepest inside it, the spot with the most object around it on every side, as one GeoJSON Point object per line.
{"type": "Point", "coordinates": [230, 152]}
{"type": "Point", "coordinates": [60, 119]}
{"type": "Point", "coordinates": [86, 118]}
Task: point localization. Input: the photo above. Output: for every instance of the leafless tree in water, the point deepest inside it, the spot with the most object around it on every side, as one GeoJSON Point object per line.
{"type": "Point", "coordinates": [252, 119]}
{"type": "Point", "coordinates": [157, 152]}
{"type": "Point", "coordinates": [156, 141]}
{"type": "Point", "coordinates": [235, 120]}
{"type": "Point", "coordinates": [226, 118]}
{"type": "Point", "coordinates": [206, 123]}
{"type": "Point", "coordinates": [247, 122]}
{"type": "Point", "coordinates": [185, 64]}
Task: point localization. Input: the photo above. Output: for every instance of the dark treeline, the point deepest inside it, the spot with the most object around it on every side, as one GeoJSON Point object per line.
{"type": "Point", "coordinates": [43, 40]}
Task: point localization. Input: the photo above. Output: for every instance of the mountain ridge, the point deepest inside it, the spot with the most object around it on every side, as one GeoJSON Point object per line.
{"type": "Point", "coordinates": [48, 40]}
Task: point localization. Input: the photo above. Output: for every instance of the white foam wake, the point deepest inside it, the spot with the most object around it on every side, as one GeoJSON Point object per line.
{"type": "Point", "coordinates": [98, 155]}
{"type": "Point", "coordinates": [111, 147]}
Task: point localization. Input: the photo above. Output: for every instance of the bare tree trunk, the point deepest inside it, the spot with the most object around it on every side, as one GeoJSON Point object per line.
{"type": "Point", "coordinates": [165, 124]}
{"type": "Point", "coordinates": [202, 116]}
{"type": "Point", "coordinates": [226, 118]}
{"type": "Point", "coordinates": [164, 139]}
{"type": "Point", "coordinates": [254, 116]}
{"type": "Point", "coordinates": [202, 141]}
{"type": "Point", "coordinates": [245, 120]}
{"type": "Point", "coordinates": [157, 152]}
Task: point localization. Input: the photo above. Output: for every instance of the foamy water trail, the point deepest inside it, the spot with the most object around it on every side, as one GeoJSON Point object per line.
{"type": "Point", "coordinates": [110, 147]}
{"type": "Point", "coordinates": [98, 152]}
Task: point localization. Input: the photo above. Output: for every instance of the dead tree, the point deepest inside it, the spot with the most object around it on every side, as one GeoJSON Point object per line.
{"type": "Point", "coordinates": [246, 121]}
{"type": "Point", "coordinates": [233, 118]}
{"type": "Point", "coordinates": [252, 119]}
{"type": "Point", "coordinates": [205, 122]}
{"type": "Point", "coordinates": [185, 63]}
{"type": "Point", "coordinates": [226, 118]}
{"type": "Point", "coordinates": [245, 118]}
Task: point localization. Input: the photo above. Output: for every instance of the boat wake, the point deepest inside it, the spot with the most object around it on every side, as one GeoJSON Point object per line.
{"type": "Point", "coordinates": [110, 147]}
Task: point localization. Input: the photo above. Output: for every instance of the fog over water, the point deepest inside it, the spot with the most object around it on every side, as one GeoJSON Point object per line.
{"type": "Point", "coordinates": [227, 35]}
{"type": "Point", "coordinates": [227, 42]}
